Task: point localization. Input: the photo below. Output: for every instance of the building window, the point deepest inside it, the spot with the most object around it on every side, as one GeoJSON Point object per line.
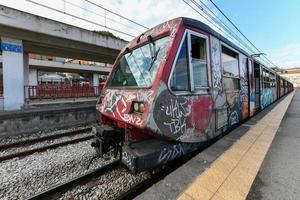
{"type": "Point", "coordinates": [230, 64]}
{"type": "Point", "coordinates": [179, 80]}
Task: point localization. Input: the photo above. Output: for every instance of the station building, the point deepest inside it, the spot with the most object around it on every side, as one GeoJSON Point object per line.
{"type": "Point", "coordinates": [34, 49]}
{"type": "Point", "coordinates": [292, 75]}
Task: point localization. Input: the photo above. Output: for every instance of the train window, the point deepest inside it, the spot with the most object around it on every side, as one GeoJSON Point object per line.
{"type": "Point", "coordinates": [231, 83]}
{"type": "Point", "coordinates": [179, 80]}
{"type": "Point", "coordinates": [199, 62]}
{"type": "Point", "coordinates": [268, 79]}
{"type": "Point", "coordinates": [138, 67]}
{"type": "Point", "coordinates": [190, 68]}
{"type": "Point", "coordinates": [230, 63]}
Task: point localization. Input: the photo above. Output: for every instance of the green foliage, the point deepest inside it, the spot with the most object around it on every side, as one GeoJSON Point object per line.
{"type": "Point", "coordinates": [107, 33]}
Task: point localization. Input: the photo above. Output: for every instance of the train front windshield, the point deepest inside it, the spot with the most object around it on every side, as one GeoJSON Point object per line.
{"type": "Point", "coordinates": [138, 67]}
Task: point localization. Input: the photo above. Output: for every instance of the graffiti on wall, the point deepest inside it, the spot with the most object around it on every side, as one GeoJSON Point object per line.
{"type": "Point", "coordinates": [216, 63]}
{"type": "Point", "coordinates": [219, 96]}
{"type": "Point", "coordinates": [128, 160]}
{"type": "Point", "coordinates": [170, 153]}
{"type": "Point", "coordinates": [266, 97]}
{"type": "Point", "coordinates": [176, 112]}
{"type": "Point", "coordinates": [234, 108]}
{"type": "Point", "coordinates": [244, 99]}
{"type": "Point", "coordinates": [252, 89]}
{"type": "Point", "coordinates": [118, 104]}
{"type": "Point", "coordinates": [181, 117]}
{"type": "Point", "coordinates": [175, 151]}
{"type": "Point", "coordinates": [231, 107]}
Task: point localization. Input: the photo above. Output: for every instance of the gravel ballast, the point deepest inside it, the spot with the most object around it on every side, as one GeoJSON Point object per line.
{"type": "Point", "coordinates": [21, 178]}
{"type": "Point", "coordinates": [19, 138]}
{"type": "Point", "coordinates": [107, 186]}
{"type": "Point", "coordinates": [41, 144]}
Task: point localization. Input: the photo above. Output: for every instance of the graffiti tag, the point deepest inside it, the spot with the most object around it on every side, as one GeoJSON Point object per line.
{"type": "Point", "coordinates": [216, 67]}
{"type": "Point", "coordinates": [233, 118]}
{"type": "Point", "coordinates": [144, 96]}
{"type": "Point", "coordinates": [132, 119]}
{"type": "Point", "coordinates": [112, 104]}
{"type": "Point", "coordinates": [127, 159]}
{"type": "Point", "coordinates": [177, 112]}
{"type": "Point", "coordinates": [170, 153]}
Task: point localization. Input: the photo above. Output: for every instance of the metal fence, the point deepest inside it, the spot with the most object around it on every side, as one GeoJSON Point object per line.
{"type": "Point", "coordinates": [60, 91]}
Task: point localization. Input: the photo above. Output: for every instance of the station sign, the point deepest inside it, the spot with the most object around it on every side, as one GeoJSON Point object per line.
{"type": "Point", "coordinates": [11, 47]}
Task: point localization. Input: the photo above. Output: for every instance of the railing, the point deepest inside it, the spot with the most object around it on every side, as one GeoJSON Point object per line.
{"type": "Point", "coordinates": [60, 91]}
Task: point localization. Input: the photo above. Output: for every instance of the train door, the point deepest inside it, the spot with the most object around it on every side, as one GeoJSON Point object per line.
{"type": "Point", "coordinates": [190, 85]}
{"type": "Point", "coordinates": [251, 90]}
{"type": "Point", "coordinates": [257, 79]}
{"type": "Point", "coordinates": [278, 86]}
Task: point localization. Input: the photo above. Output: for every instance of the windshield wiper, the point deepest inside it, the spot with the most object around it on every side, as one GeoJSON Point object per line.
{"type": "Point", "coordinates": [153, 59]}
{"type": "Point", "coordinates": [153, 52]}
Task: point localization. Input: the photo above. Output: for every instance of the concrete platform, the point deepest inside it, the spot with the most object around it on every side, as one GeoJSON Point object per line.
{"type": "Point", "coordinates": [45, 117]}
{"type": "Point", "coordinates": [279, 175]}
{"type": "Point", "coordinates": [227, 169]}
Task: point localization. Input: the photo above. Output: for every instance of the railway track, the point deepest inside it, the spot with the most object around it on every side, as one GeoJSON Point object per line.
{"type": "Point", "coordinates": [34, 141]}
{"type": "Point", "coordinates": [90, 179]}
{"type": "Point", "coordinates": [54, 191]}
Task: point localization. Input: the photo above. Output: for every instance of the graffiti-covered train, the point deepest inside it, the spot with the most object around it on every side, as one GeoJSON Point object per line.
{"type": "Point", "coordinates": [176, 87]}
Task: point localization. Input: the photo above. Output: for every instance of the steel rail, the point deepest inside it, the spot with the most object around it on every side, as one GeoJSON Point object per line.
{"type": "Point", "coordinates": [49, 193]}
{"type": "Point", "coordinates": [44, 148]}
{"type": "Point", "coordinates": [41, 139]}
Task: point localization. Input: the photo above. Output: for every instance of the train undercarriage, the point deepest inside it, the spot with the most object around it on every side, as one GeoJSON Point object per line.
{"type": "Point", "coordinates": [140, 155]}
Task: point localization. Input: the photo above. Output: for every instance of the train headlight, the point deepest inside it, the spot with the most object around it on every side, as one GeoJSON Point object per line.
{"type": "Point", "coordinates": [141, 108]}
{"type": "Point", "coordinates": [136, 107]}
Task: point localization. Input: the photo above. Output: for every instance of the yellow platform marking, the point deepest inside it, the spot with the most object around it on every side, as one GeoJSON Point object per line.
{"type": "Point", "coordinates": [232, 174]}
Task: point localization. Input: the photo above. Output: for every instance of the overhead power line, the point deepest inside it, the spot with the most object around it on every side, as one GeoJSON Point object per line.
{"type": "Point", "coordinates": [103, 16]}
{"type": "Point", "coordinates": [208, 19]}
{"type": "Point", "coordinates": [90, 21]}
{"type": "Point", "coordinates": [117, 14]}
{"type": "Point", "coordinates": [240, 31]}
{"type": "Point", "coordinates": [218, 21]}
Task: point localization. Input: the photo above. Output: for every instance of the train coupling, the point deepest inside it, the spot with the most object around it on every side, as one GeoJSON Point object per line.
{"type": "Point", "coordinates": [107, 138]}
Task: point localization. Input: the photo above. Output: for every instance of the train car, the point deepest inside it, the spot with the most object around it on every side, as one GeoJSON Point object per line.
{"type": "Point", "coordinates": [175, 88]}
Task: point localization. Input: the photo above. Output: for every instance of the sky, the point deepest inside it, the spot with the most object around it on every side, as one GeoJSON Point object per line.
{"type": "Point", "coordinates": [272, 25]}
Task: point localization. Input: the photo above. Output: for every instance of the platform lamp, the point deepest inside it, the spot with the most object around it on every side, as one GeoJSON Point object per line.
{"type": "Point", "coordinates": [257, 55]}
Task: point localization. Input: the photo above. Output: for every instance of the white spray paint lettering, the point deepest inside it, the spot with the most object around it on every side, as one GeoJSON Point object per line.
{"type": "Point", "coordinates": [170, 153]}
{"type": "Point", "coordinates": [177, 112]}
{"type": "Point", "coordinates": [132, 119]}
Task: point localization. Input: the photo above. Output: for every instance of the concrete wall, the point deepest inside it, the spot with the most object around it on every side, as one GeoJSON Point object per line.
{"type": "Point", "coordinates": [34, 120]}
{"type": "Point", "coordinates": [58, 66]}
{"type": "Point", "coordinates": [48, 37]}
{"type": "Point", "coordinates": [67, 67]}
{"type": "Point", "coordinates": [14, 73]}
{"type": "Point", "coordinates": [33, 77]}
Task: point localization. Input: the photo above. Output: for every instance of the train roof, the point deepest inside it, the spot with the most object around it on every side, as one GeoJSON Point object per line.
{"type": "Point", "coordinates": [200, 25]}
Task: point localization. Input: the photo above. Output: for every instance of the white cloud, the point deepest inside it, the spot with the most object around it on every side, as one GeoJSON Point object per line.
{"type": "Point", "coordinates": [146, 12]}
{"type": "Point", "coordinates": [287, 56]}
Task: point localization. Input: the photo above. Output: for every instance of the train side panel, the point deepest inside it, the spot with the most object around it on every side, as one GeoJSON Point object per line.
{"type": "Point", "coordinates": [230, 85]}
